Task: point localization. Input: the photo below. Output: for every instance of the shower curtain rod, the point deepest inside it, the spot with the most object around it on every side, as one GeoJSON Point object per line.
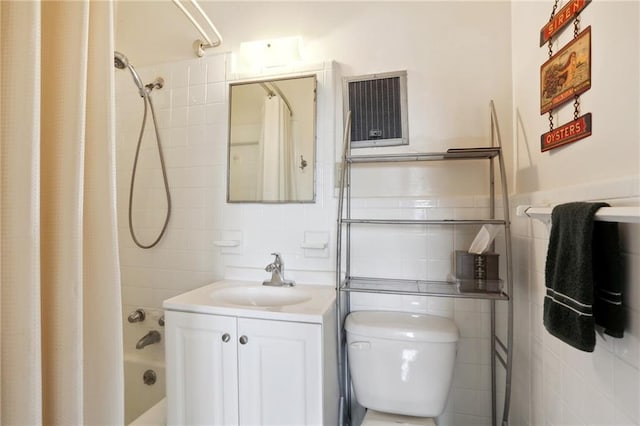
{"type": "Point", "coordinates": [278, 92]}
{"type": "Point", "coordinates": [200, 45]}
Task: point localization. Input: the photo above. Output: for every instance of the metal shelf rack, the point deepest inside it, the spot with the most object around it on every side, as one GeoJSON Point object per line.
{"type": "Point", "coordinates": [419, 288]}
{"type": "Point", "coordinates": [346, 284]}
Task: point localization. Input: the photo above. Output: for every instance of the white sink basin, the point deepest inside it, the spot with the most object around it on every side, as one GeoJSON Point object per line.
{"type": "Point", "coordinates": [263, 296]}
{"type": "Point", "coordinates": [250, 299]}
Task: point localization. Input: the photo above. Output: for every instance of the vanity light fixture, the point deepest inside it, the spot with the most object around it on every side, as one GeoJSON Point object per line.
{"type": "Point", "coordinates": [256, 57]}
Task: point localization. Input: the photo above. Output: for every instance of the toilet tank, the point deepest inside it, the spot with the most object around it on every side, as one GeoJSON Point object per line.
{"type": "Point", "coordinates": [401, 362]}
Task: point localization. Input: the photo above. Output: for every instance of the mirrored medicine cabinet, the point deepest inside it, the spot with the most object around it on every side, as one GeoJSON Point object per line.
{"type": "Point", "coordinates": [271, 146]}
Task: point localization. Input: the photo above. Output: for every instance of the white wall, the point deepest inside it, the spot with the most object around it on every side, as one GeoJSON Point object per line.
{"type": "Point", "coordinates": [554, 383]}
{"type": "Point", "coordinates": [613, 150]}
{"type": "Point", "coordinates": [458, 56]}
{"type": "Point", "coordinates": [455, 64]}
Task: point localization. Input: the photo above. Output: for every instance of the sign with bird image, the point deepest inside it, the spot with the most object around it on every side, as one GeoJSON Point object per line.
{"type": "Point", "coordinates": [567, 73]}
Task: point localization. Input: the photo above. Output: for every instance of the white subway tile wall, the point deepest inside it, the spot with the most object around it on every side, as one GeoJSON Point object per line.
{"type": "Point", "coordinates": [552, 384]}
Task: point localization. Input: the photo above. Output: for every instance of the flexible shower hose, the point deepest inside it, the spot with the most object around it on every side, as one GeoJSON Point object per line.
{"type": "Point", "coordinates": [147, 99]}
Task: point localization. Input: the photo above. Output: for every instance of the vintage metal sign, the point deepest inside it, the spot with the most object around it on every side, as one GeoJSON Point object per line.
{"type": "Point", "coordinates": [570, 132]}
{"type": "Point", "coordinates": [567, 73]}
{"type": "Point", "coordinates": [561, 19]}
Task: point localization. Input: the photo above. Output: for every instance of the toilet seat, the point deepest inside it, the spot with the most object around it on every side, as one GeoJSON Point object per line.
{"type": "Point", "coordinates": [377, 418]}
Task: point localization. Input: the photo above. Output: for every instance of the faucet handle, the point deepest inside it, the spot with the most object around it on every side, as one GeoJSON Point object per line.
{"type": "Point", "coordinates": [278, 258]}
{"type": "Point", "coordinates": [276, 264]}
{"type": "Point", "coordinates": [137, 316]}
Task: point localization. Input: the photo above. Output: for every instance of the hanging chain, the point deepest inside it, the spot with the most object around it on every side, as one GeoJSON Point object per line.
{"type": "Point", "coordinates": [553, 13]}
{"type": "Point", "coordinates": [550, 55]}
{"type": "Point", "coordinates": [550, 44]}
{"type": "Point", "coordinates": [576, 98]}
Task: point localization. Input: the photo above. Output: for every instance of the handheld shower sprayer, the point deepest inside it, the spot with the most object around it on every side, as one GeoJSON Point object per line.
{"type": "Point", "coordinates": [121, 62]}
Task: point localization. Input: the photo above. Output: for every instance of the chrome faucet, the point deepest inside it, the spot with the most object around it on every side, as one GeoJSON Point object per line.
{"type": "Point", "coordinates": [277, 273]}
{"type": "Point", "coordinates": [149, 339]}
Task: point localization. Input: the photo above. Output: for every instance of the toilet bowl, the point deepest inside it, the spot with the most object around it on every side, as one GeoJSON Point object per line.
{"type": "Point", "coordinates": [401, 365]}
{"type": "Point", "coordinates": [377, 418]}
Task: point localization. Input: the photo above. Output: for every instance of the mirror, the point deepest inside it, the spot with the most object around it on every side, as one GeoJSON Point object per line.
{"type": "Point", "coordinates": [272, 126]}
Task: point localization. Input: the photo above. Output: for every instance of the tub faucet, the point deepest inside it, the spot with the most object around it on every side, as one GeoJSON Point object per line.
{"type": "Point", "coordinates": [277, 273]}
{"type": "Point", "coordinates": [149, 339]}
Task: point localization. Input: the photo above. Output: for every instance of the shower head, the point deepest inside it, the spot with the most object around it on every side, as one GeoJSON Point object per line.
{"type": "Point", "coordinates": [121, 62]}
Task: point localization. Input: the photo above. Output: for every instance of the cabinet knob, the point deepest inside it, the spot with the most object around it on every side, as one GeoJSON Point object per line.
{"type": "Point", "coordinates": [244, 340]}
{"type": "Point", "coordinates": [226, 337]}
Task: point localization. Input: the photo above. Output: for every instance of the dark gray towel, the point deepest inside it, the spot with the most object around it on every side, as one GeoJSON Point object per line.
{"type": "Point", "coordinates": [608, 279]}
{"type": "Point", "coordinates": [582, 263]}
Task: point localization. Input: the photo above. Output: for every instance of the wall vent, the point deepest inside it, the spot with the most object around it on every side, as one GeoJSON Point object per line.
{"type": "Point", "coordinates": [378, 105]}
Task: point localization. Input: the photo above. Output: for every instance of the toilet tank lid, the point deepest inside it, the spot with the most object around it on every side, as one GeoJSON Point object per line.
{"type": "Point", "coordinates": [402, 326]}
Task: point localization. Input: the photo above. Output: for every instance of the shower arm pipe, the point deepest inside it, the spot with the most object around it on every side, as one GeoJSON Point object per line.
{"type": "Point", "coordinates": [200, 45]}
{"type": "Point", "coordinates": [278, 92]}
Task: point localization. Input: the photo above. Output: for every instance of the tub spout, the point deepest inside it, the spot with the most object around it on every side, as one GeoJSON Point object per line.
{"type": "Point", "coordinates": [149, 339]}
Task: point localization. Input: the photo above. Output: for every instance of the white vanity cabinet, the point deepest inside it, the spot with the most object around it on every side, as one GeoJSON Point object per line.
{"type": "Point", "coordinates": [202, 369]}
{"type": "Point", "coordinates": [235, 370]}
{"type": "Point", "coordinates": [279, 373]}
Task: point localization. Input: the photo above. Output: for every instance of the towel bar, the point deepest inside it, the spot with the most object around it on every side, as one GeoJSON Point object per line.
{"type": "Point", "coordinates": [606, 214]}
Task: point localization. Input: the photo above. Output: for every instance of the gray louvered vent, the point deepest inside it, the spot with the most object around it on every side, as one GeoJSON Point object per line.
{"type": "Point", "coordinates": [378, 109]}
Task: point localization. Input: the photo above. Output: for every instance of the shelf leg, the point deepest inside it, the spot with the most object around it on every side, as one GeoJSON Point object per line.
{"type": "Point", "coordinates": [494, 420]}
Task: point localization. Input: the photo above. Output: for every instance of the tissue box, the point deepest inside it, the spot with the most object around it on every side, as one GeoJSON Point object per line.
{"type": "Point", "coordinates": [470, 266]}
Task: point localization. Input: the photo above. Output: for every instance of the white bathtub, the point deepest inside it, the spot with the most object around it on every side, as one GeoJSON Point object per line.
{"type": "Point", "coordinates": [154, 416]}
{"type": "Point", "coordinates": [139, 397]}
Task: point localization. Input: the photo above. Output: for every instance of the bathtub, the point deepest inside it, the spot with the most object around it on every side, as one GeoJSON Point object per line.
{"type": "Point", "coordinates": [143, 401]}
{"type": "Point", "coordinates": [154, 416]}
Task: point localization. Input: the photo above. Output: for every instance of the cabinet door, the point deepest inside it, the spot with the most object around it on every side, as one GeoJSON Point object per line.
{"type": "Point", "coordinates": [201, 355]}
{"type": "Point", "coordinates": [279, 373]}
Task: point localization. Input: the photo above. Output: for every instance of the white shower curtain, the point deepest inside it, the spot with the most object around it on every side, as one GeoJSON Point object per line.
{"type": "Point", "coordinates": [276, 158]}
{"type": "Point", "coordinates": [60, 311]}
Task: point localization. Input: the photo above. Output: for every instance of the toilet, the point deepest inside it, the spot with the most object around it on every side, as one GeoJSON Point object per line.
{"type": "Point", "coordinates": [401, 365]}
